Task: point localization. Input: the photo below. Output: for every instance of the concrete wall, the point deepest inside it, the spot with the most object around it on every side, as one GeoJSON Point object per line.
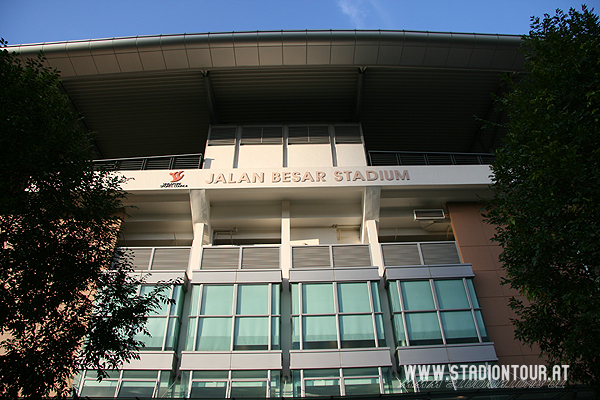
{"type": "Point", "coordinates": [474, 240]}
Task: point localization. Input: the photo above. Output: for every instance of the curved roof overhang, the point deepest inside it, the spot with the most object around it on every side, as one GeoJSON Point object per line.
{"type": "Point", "coordinates": [412, 91]}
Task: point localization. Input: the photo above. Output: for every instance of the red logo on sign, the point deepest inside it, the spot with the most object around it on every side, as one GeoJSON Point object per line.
{"type": "Point", "coordinates": [177, 176]}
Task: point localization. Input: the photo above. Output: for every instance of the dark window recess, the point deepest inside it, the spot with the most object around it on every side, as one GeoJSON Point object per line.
{"type": "Point", "coordinates": [222, 136]}
{"type": "Point", "coordinates": [262, 135]}
{"type": "Point", "coordinates": [313, 134]}
{"type": "Point", "coordinates": [347, 134]}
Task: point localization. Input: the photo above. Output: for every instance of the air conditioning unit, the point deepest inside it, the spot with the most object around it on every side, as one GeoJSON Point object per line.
{"type": "Point", "coordinates": [429, 215]}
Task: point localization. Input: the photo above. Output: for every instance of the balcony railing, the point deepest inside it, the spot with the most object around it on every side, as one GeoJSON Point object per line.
{"type": "Point", "coordinates": [331, 256]}
{"type": "Point", "coordinates": [181, 161]}
{"type": "Point", "coordinates": [158, 258]}
{"type": "Point", "coordinates": [239, 257]}
{"type": "Point", "coordinates": [423, 253]}
{"type": "Point", "coordinates": [381, 158]}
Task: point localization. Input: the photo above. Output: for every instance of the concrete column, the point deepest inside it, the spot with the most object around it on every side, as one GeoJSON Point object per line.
{"type": "Point", "coordinates": [371, 204]}
{"type": "Point", "coordinates": [200, 207]}
{"type": "Point", "coordinates": [286, 301]}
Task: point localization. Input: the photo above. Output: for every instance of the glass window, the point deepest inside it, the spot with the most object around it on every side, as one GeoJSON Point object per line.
{"type": "Point", "coordinates": [317, 298]}
{"type": "Point", "coordinates": [233, 384]}
{"type": "Point", "coordinates": [416, 295]}
{"type": "Point", "coordinates": [336, 315]}
{"type": "Point", "coordinates": [353, 297]}
{"type": "Point", "coordinates": [357, 331]}
{"type": "Point", "coordinates": [251, 333]}
{"type": "Point", "coordinates": [319, 332]}
{"type": "Point", "coordinates": [163, 325]}
{"type": "Point", "coordinates": [128, 383]}
{"type": "Point", "coordinates": [336, 382]}
{"type": "Point", "coordinates": [423, 329]}
{"type": "Point", "coordinates": [448, 314]}
{"type": "Point", "coordinates": [217, 300]}
{"type": "Point", "coordinates": [248, 312]}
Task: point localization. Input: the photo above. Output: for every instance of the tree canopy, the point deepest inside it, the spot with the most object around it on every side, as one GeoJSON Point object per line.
{"type": "Point", "coordinates": [59, 223]}
{"type": "Point", "coordinates": [546, 187]}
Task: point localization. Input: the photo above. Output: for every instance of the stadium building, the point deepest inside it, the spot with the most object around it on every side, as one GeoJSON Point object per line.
{"type": "Point", "coordinates": [318, 193]}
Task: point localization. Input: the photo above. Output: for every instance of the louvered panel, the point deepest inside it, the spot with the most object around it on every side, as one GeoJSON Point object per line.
{"type": "Point", "coordinates": [380, 158]}
{"type": "Point", "coordinates": [158, 163]}
{"type": "Point", "coordinates": [170, 259]}
{"type": "Point", "coordinates": [400, 254]}
{"type": "Point", "coordinates": [318, 134]}
{"type": "Point", "coordinates": [272, 135]}
{"type": "Point", "coordinates": [310, 257]}
{"type": "Point", "coordinates": [466, 159]}
{"type": "Point", "coordinates": [439, 159]}
{"type": "Point", "coordinates": [220, 258]}
{"type": "Point", "coordinates": [260, 258]}
{"type": "Point", "coordinates": [140, 257]}
{"type": "Point", "coordinates": [131, 165]}
{"type": "Point", "coordinates": [347, 134]}
{"type": "Point", "coordinates": [222, 136]}
{"type": "Point", "coordinates": [187, 162]}
{"type": "Point", "coordinates": [440, 253]}
{"type": "Point", "coordinates": [251, 135]}
{"type": "Point", "coordinates": [298, 135]}
{"type": "Point", "coordinates": [351, 256]}
{"type": "Point", "coordinates": [412, 159]}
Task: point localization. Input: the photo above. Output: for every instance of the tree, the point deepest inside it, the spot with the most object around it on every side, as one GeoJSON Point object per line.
{"type": "Point", "coordinates": [546, 190]}
{"type": "Point", "coordinates": [59, 222]}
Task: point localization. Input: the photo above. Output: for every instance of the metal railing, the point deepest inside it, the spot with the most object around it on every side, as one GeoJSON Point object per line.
{"type": "Point", "coordinates": [420, 253]}
{"type": "Point", "coordinates": [331, 256]}
{"type": "Point", "coordinates": [180, 161]}
{"type": "Point", "coordinates": [381, 158]}
{"type": "Point", "coordinates": [158, 258]}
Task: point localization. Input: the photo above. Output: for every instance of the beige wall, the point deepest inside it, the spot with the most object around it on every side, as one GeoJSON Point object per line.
{"type": "Point", "coordinates": [474, 240]}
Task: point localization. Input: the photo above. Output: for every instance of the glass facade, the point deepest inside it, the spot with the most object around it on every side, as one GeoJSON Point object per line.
{"type": "Point", "coordinates": [163, 325]}
{"type": "Point", "coordinates": [230, 384]}
{"type": "Point", "coordinates": [435, 312]}
{"type": "Point", "coordinates": [336, 315]}
{"type": "Point", "coordinates": [127, 383]}
{"type": "Point", "coordinates": [234, 317]}
{"type": "Point", "coordinates": [341, 381]}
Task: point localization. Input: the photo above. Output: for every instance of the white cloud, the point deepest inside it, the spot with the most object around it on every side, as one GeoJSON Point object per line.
{"type": "Point", "coordinates": [352, 8]}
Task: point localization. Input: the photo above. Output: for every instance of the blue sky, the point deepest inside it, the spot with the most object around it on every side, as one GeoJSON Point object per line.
{"type": "Point", "coordinates": [36, 21]}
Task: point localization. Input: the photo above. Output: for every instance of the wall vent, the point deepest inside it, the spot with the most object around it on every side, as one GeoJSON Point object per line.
{"type": "Point", "coordinates": [429, 215]}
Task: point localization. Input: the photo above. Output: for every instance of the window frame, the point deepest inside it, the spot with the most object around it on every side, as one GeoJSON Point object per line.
{"type": "Point", "coordinates": [299, 316]}
{"type": "Point", "coordinates": [383, 376]}
{"type": "Point", "coordinates": [473, 307]}
{"type": "Point", "coordinates": [187, 378]}
{"type": "Point", "coordinates": [193, 319]}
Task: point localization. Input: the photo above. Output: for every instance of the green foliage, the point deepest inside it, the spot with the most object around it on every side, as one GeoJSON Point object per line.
{"type": "Point", "coordinates": [59, 222]}
{"type": "Point", "coordinates": [547, 192]}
